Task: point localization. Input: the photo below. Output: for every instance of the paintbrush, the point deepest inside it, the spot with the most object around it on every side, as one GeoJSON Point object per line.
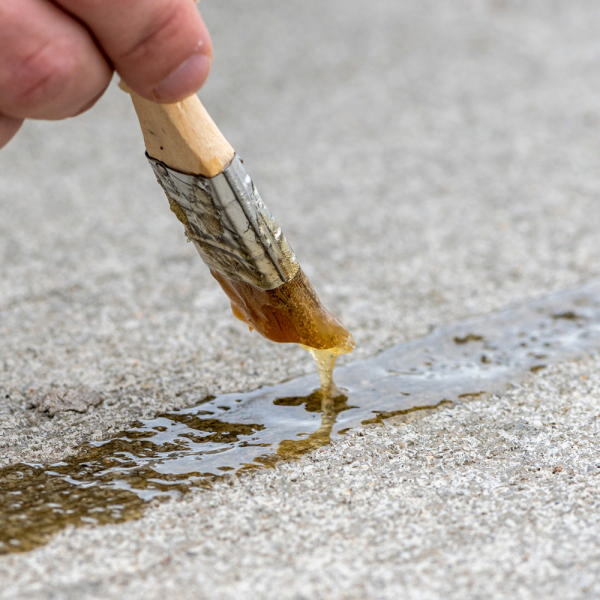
{"type": "Point", "coordinates": [224, 216]}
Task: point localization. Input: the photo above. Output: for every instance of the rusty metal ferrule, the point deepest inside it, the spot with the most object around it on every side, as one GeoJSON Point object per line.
{"type": "Point", "coordinates": [228, 222]}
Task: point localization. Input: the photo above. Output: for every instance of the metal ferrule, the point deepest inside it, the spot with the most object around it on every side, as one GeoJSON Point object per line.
{"type": "Point", "coordinates": [232, 229]}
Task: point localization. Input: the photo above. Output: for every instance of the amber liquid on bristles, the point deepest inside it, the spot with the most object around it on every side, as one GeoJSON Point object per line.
{"type": "Point", "coordinates": [291, 313]}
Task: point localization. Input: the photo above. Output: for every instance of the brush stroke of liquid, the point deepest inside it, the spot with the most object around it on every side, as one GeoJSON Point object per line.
{"type": "Point", "coordinates": [112, 481]}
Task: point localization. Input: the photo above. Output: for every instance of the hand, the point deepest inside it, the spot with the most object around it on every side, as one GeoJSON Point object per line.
{"type": "Point", "coordinates": [57, 58]}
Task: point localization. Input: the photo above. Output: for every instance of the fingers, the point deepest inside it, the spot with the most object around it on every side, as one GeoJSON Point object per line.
{"type": "Point", "coordinates": [8, 127]}
{"type": "Point", "coordinates": [50, 67]}
{"type": "Point", "coordinates": [57, 57]}
{"type": "Point", "coordinates": [161, 48]}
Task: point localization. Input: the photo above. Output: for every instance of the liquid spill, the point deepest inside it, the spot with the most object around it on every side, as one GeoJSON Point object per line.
{"type": "Point", "coordinates": [112, 481]}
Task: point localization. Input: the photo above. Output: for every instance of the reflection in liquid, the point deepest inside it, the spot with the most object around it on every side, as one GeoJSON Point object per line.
{"type": "Point", "coordinates": [329, 408]}
{"type": "Point", "coordinates": [111, 481]}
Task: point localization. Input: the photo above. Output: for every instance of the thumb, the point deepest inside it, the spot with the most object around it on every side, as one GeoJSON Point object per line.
{"type": "Point", "coordinates": [161, 48]}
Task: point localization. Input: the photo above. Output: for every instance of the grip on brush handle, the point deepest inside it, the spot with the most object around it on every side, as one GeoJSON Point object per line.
{"type": "Point", "coordinates": [211, 193]}
{"type": "Point", "coordinates": [182, 135]}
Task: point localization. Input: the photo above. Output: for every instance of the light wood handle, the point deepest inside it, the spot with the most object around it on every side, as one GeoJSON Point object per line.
{"type": "Point", "coordinates": [183, 136]}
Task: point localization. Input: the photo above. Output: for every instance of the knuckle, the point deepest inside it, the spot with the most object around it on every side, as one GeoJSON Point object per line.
{"type": "Point", "coordinates": [43, 75]}
{"type": "Point", "coordinates": [162, 30]}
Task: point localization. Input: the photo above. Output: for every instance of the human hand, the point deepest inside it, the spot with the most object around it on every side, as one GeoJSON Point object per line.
{"type": "Point", "coordinates": [57, 58]}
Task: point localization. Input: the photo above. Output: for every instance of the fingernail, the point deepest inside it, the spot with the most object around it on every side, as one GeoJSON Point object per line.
{"type": "Point", "coordinates": [185, 80]}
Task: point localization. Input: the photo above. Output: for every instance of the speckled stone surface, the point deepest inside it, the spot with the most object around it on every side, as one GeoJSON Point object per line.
{"type": "Point", "coordinates": [428, 161]}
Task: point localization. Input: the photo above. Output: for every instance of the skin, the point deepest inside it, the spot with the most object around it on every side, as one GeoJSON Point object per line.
{"type": "Point", "coordinates": [57, 58]}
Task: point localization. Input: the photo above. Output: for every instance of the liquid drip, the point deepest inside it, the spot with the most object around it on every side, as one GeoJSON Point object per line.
{"type": "Point", "coordinates": [325, 361]}
{"type": "Point", "coordinates": [112, 481]}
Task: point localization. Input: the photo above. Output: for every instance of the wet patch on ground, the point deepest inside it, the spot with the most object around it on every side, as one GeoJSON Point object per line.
{"type": "Point", "coordinates": [112, 481]}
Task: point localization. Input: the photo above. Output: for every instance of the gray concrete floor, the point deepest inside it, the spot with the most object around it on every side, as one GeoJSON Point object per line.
{"type": "Point", "coordinates": [429, 161]}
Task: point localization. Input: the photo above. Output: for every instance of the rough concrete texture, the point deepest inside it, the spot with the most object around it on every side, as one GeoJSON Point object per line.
{"type": "Point", "coordinates": [428, 161]}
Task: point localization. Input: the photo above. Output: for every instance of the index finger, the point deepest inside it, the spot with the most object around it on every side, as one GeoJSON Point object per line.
{"type": "Point", "coordinates": [161, 48]}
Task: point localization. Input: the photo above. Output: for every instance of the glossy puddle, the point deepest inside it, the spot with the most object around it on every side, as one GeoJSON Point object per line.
{"type": "Point", "coordinates": [112, 481]}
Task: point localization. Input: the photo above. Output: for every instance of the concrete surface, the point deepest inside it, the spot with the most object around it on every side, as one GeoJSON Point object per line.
{"type": "Point", "coordinates": [429, 161]}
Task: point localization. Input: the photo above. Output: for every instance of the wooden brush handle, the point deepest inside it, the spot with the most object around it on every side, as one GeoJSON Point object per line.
{"type": "Point", "coordinates": [183, 136]}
